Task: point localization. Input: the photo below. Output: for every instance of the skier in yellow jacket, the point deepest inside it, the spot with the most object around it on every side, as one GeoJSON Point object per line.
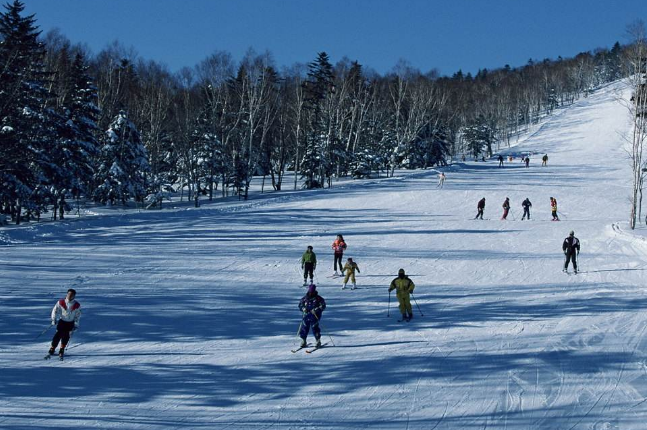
{"type": "Point", "coordinates": [403, 286]}
{"type": "Point", "coordinates": [349, 270]}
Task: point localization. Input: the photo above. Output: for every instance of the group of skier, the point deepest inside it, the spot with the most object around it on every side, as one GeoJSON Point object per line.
{"type": "Point", "coordinates": [526, 205]}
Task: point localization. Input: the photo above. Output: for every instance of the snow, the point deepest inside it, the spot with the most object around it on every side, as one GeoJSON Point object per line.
{"type": "Point", "coordinates": [190, 314]}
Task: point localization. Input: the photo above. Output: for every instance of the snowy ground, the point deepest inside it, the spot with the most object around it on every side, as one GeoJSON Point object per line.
{"type": "Point", "coordinates": [190, 315]}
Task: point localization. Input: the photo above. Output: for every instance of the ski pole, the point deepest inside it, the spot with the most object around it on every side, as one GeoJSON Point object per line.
{"type": "Point", "coordinates": [514, 218]}
{"type": "Point", "coordinates": [416, 302]}
{"type": "Point", "coordinates": [43, 332]}
{"type": "Point", "coordinates": [388, 309]}
{"type": "Point", "coordinates": [322, 328]}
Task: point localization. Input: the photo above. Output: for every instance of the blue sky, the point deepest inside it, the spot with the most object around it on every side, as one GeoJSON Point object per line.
{"type": "Point", "coordinates": [448, 35]}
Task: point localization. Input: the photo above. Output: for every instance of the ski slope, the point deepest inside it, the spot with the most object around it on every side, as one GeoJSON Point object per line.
{"type": "Point", "coordinates": [190, 315]}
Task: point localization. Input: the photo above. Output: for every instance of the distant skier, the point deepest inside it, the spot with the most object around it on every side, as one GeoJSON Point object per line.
{"type": "Point", "coordinates": [553, 208]}
{"type": "Point", "coordinates": [312, 306]}
{"type": "Point", "coordinates": [527, 161]}
{"type": "Point", "coordinates": [308, 265]}
{"type": "Point", "coordinates": [441, 180]}
{"type": "Point", "coordinates": [500, 160]}
{"type": "Point", "coordinates": [338, 247]}
{"type": "Point", "coordinates": [480, 207]}
{"type": "Point", "coordinates": [506, 208]}
{"type": "Point", "coordinates": [526, 208]}
{"type": "Point", "coordinates": [349, 271]}
{"type": "Point", "coordinates": [403, 287]}
{"type": "Point", "coordinates": [65, 315]}
{"type": "Point", "coordinates": [544, 160]}
{"type": "Point", "coordinates": [571, 248]}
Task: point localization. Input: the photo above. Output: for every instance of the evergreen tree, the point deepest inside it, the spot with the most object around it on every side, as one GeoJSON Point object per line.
{"type": "Point", "coordinates": [123, 164]}
{"type": "Point", "coordinates": [77, 146]}
{"type": "Point", "coordinates": [319, 85]}
{"type": "Point", "coordinates": [26, 125]}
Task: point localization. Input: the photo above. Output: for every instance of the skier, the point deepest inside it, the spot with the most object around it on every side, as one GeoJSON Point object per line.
{"type": "Point", "coordinates": [553, 208]}
{"type": "Point", "coordinates": [544, 160]}
{"type": "Point", "coordinates": [506, 208]}
{"type": "Point", "coordinates": [480, 207]}
{"type": "Point", "coordinates": [527, 161]}
{"type": "Point", "coordinates": [441, 180]}
{"type": "Point", "coordinates": [571, 248]}
{"type": "Point", "coordinates": [403, 287]}
{"type": "Point", "coordinates": [338, 247]}
{"type": "Point", "coordinates": [312, 305]}
{"type": "Point", "coordinates": [308, 265]}
{"type": "Point", "coordinates": [526, 208]}
{"type": "Point", "coordinates": [65, 315]}
{"type": "Point", "coordinates": [349, 270]}
{"type": "Point", "coordinates": [500, 160]}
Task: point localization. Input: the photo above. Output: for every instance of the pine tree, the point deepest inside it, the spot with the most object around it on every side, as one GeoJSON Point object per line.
{"type": "Point", "coordinates": [320, 84]}
{"type": "Point", "coordinates": [26, 124]}
{"type": "Point", "coordinates": [77, 146]}
{"type": "Point", "coordinates": [123, 164]}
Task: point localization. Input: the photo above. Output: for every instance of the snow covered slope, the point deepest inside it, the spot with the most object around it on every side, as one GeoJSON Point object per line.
{"type": "Point", "coordinates": [189, 316]}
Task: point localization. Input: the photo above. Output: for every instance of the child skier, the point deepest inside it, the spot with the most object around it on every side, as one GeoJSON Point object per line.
{"type": "Point", "coordinates": [349, 271]}
{"type": "Point", "coordinates": [308, 265]}
{"type": "Point", "coordinates": [553, 208]}
{"type": "Point", "coordinates": [65, 315]}
{"type": "Point", "coordinates": [480, 207]}
{"type": "Point", "coordinates": [312, 305]}
{"type": "Point", "coordinates": [506, 208]}
{"type": "Point", "coordinates": [571, 248]}
{"type": "Point", "coordinates": [526, 208]}
{"type": "Point", "coordinates": [403, 287]}
{"type": "Point", "coordinates": [338, 247]}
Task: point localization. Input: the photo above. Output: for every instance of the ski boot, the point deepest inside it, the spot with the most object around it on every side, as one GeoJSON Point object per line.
{"type": "Point", "coordinates": [52, 351]}
{"type": "Point", "coordinates": [343, 287]}
{"type": "Point", "coordinates": [303, 343]}
{"type": "Point", "coordinates": [61, 353]}
{"type": "Point", "coordinates": [318, 344]}
{"type": "Point", "coordinates": [354, 286]}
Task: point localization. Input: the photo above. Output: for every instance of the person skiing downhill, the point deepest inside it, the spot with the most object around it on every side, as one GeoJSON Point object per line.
{"type": "Point", "coordinates": [553, 208]}
{"type": "Point", "coordinates": [526, 208]}
{"type": "Point", "coordinates": [527, 161]}
{"type": "Point", "coordinates": [500, 158]}
{"type": "Point", "coordinates": [544, 160]}
{"type": "Point", "coordinates": [403, 287]}
{"type": "Point", "coordinates": [65, 315]}
{"type": "Point", "coordinates": [506, 208]}
{"type": "Point", "coordinates": [349, 271]}
{"type": "Point", "coordinates": [480, 207]}
{"type": "Point", "coordinates": [338, 247]}
{"type": "Point", "coordinates": [308, 265]}
{"type": "Point", "coordinates": [441, 180]}
{"type": "Point", "coordinates": [571, 248]}
{"type": "Point", "coordinates": [312, 306]}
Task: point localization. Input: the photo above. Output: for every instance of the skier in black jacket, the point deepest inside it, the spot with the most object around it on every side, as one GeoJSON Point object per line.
{"type": "Point", "coordinates": [526, 208]}
{"type": "Point", "coordinates": [571, 248]}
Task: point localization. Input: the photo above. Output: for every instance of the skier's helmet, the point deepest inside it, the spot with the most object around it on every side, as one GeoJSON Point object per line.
{"type": "Point", "coordinates": [310, 247]}
{"type": "Point", "coordinates": [401, 272]}
{"type": "Point", "coordinates": [312, 288]}
{"type": "Point", "coordinates": [572, 233]}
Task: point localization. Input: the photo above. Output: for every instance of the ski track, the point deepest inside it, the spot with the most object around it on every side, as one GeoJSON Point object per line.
{"type": "Point", "coordinates": [190, 315]}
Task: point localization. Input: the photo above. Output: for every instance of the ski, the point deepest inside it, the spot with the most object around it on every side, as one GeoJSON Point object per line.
{"type": "Point", "coordinates": [48, 357]}
{"type": "Point", "coordinates": [310, 351]}
{"type": "Point", "coordinates": [300, 348]}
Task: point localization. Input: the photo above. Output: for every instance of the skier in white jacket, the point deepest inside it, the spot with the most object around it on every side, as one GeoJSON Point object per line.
{"type": "Point", "coordinates": [65, 315]}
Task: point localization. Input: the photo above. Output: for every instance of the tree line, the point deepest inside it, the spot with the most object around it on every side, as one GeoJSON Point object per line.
{"type": "Point", "coordinates": [116, 128]}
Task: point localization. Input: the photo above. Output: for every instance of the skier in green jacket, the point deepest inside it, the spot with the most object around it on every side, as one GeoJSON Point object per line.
{"type": "Point", "coordinates": [308, 264]}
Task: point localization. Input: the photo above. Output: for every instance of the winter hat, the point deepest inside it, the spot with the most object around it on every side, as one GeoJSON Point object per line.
{"type": "Point", "coordinates": [401, 272]}
{"type": "Point", "coordinates": [310, 247]}
{"type": "Point", "coordinates": [312, 289]}
{"type": "Point", "coordinates": [572, 233]}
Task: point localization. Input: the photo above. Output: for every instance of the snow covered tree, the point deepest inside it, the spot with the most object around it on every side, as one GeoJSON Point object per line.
{"type": "Point", "coordinates": [318, 87]}
{"type": "Point", "coordinates": [26, 125]}
{"type": "Point", "coordinates": [123, 165]}
{"type": "Point", "coordinates": [77, 146]}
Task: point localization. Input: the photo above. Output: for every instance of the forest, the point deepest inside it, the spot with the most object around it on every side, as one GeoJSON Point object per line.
{"type": "Point", "coordinates": [114, 128]}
